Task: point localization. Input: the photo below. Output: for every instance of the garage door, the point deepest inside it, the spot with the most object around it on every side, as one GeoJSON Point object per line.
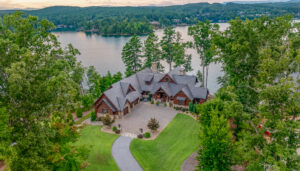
{"type": "Point", "coordinates": [126, 111]}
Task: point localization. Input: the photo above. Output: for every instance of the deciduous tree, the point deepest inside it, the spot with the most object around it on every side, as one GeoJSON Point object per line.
{"type": "Point", "coordinates": [202, 34]}
{"type": "Point", "coordinates": [37, 79]}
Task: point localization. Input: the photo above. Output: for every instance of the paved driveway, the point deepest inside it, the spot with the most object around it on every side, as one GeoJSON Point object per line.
{"type": "Point", "coordinates": [141, 114]}
{"type": "Point", "coordinates": [122, 155]}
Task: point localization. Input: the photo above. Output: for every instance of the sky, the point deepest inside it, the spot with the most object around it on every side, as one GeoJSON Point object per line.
{"type": "Point", "coordinates": [12, 4]}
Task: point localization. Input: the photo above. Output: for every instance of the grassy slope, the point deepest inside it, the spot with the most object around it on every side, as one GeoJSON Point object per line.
{"type": "Point", "coordinates": [83, 118]}
{"type": "Point", "coordinates": [169, 150]}
{"type": "Point", "coordinates": [100, 157]}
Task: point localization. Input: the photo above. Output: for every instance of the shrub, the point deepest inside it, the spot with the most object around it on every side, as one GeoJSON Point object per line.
{"type": "Point", "coordinates": [70, 118]}
{"type": "Point", "coordinates": [149, 97]}
{"type": "Point", "coordinates": [152, 102]}
{"type": "Point", "coordinates": [165, 104]}
{"type": "Point", "coordinates": [191, 104]}
{"type": "Point", "coordinates": [114, 129]}
{"type": "Point", "coordinates": [79, 113]}
{"type": "Point", "coordinates": [87, 101]}
{"type": "Point", "coordinates": [140, 136]}
{"type": "Point", "coordinates": [153, 124]}
{"type": "Point", "coordinates": [147, 135]}
{"type": "Point", "coordinates": [118, 131]}
{"type": "Point", "coordinates": [107, 121]}
{"type": "Point", "coordinates": [93, 116]}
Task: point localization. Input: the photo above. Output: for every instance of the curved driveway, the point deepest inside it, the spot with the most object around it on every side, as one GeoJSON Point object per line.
{"type": "Point", "coordinates": [122, 155]}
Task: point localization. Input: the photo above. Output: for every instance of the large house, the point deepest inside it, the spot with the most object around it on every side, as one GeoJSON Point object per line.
{"type": "Point", "coordinates": [174, 88]}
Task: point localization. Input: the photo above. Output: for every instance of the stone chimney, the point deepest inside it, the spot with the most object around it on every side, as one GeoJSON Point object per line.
{"type": "Point", "coordinates": [154, 67]}
{"type": "Point", "coordinates": [181, 71]}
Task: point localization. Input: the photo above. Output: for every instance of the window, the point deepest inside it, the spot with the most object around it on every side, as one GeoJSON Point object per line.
{"type": "Point", "coordinates": [181, 102]}
{"type": "Point", "coordinates": [104, 111]}
{"type": "Point", "coordinates": [167, 79]}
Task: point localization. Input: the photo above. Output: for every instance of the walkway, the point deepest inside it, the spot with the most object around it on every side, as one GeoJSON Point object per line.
{"type": "Point", "coordinates": [190, 163]}
{"type": "Point", "coordinates": [122, 155]}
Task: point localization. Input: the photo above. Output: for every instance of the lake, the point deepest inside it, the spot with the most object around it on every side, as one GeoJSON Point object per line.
{"type": "Point", "coordinates": [104, 52]}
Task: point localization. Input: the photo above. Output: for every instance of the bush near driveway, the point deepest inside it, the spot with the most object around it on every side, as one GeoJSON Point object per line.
{"type": "Point", "coordinates": [100, 157]}
{"type": "Point", "coordinates": [79, 113]}
{"type": "Point", "coordinates": [168, 151]}
{"type": "Point", "coordinates": [93, 116]}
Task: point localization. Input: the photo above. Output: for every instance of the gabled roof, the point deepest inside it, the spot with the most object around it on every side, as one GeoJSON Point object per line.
{"type": "Point", "coordinates": [118, 96]}
{"type": "Point", "coordinates": [187, 92]}
{"type": "Point", "coordinates": [124, 87]}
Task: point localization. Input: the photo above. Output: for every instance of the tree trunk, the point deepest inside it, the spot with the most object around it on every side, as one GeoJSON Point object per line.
{"type": "Point", "coordinates": [203, 74]}
{"type": "Point", "coordinates": [206, 76]}
{"type": "Point", "coordinates": [170, 65]}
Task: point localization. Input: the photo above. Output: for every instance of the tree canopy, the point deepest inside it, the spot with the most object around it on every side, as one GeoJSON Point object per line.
{"type": "Point", "coordinates": [259, 95]}
{"type": "Point", "coordinates": [39, 83]}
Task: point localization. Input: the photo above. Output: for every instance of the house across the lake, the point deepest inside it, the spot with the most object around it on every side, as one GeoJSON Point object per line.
{"type": "Point", "coordinates": [174, 88]}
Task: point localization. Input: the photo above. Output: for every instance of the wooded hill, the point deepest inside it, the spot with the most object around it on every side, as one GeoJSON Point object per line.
{"type": "Point", "coordinates": [142, 20]}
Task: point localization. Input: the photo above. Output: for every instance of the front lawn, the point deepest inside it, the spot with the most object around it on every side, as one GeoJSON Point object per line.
{"type": "Point", "coordinates": [100, 157]}
{"type": "Point", "coordinates": [169, 150]}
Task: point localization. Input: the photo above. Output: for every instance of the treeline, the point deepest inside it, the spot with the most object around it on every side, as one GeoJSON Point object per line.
{"type": "Point", "coordinates": [114, 26]}
{"type": "Point", "coordinates": [120, 20]}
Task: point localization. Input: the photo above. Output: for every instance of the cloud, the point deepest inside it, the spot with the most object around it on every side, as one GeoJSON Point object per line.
{"type": "Point", "coordinates": [9, 4]}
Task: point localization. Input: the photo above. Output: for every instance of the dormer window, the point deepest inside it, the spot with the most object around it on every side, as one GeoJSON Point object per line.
{"type": "Point", "coordinates": [130, 89]}
{"type": "Point", "coordinates": [167, 78]}
{"type": "Point", "coordinates": [147, 82]}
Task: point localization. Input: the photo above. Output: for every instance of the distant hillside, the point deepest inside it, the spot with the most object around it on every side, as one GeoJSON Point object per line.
{"type": "Point", "coordinates": [141, 20]}
{"type": "Point", "coordinates": [258, 2]}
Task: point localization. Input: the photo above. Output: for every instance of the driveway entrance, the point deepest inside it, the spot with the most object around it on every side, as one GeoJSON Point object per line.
{"type": "Point", "coordinates": [140, 116]}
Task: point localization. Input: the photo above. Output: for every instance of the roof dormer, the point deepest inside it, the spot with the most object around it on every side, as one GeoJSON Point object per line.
{"type": "Point", "coordinates": [167, 78]}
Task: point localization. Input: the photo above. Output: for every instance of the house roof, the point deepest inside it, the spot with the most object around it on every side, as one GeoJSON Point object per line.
{"type": "Point", "coordinates": [188, 84]}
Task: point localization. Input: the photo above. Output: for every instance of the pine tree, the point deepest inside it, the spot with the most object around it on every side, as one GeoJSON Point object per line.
{"type": "Point", "coordinates": [152, 52]}
{"type": "Point", "coordinates": [174, 50]}
{"type": "Point", "coordinates": [131, 55]}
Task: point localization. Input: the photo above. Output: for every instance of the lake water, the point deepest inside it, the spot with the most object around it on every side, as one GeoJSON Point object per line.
{"type": "Point", "coordinates": [104, 52]}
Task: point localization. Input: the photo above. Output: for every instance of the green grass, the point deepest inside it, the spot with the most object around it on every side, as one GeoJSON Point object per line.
{"type": "Point", "coordinates": [169, 150]}
{"type": "Point", "coordinates": [100, 157]}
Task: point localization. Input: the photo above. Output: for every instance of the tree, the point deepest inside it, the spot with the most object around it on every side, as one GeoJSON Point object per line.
{"type": "Point", "coordinates": [216, 145]}
{"type": "Point", "coordinates": [239, 50]}
{"type": "Point", "coordinates": [117, 77]}
{"type": "Point", "coordinates": [4, 133]}
{"type": "Point", "coordinates": [260, 59]}
{"type": "Point", "coordinates": [200, 77]}
{"type": "Point", "coordinates": [279, 99]}
{"type": "Point", "coordinates": [93, 116]}
{"type": "Point", "coordinates": [97, 84]}
{"type": "Point", "coordinates": [153, 124]}
{"type": "Point", "coordinates": [131, 55]}
{"type": "Point", "coordinates": [152, 52]}
{"type": "Point", "coordinates": [94, 82]}
{"type": "Point", "coordinates": [37, 79]}
{"type": "Point", "coordinates": [107, 120]}
{"type": "Point", "coordinates": [202, 34]}
{"type": "Point", "coordinates": [173, 49]}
